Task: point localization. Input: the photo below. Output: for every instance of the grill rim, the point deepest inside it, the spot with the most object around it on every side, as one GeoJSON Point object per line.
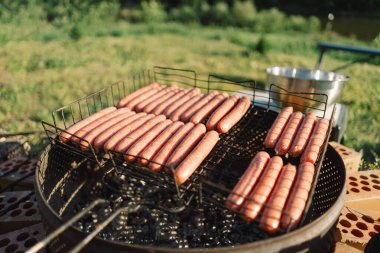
{"type": "Point", "coordinates": [279, 243]}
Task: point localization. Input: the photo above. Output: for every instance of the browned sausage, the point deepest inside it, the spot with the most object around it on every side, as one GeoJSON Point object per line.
{"type": "Point", "coordinates": [118, 136]}
{"type": "Point", "coordinates": [316, 141]}
{"type": "Point", "coordinates": [206, 110]}
{"type": "Point", "coordinates": [246, 183]}
{"type": "Point", "coordinates": [107, 134]}
{"type": "Point", "coordinates": [221, 111]}
{"type": "Point", "coordinates": [187, 167]}
{"type": "Point", "coordinates": [261, 192]}
{"type": "Point", "coordinates": [303, 135]}
{"type": "Point", "coordinates": [177, 103]}
{"type": "Point", "coordinates": [66, 136]}
{"type": "Point", "coordinates": [176, 115]}
{"type": "Point", "coordinates": [140, 106]}
{"type": "Point", "coordinates": [161, 157]}
{"type": "Point", "coordinates": [287, 136]}
{"type": "Point", "coordinates": [135, 94]}
{"type": "Point", "coordinates": [132, 137]}
{"type": "Point", "coordinates": [90, 137]}
{"type": "Point", "coordinates": [235, 115]}
{"type": "Point", "coordinates": [186, 145]}
{"type": "Point", "coordinates": [298, 196]}
{"type": "Point", "coordinates": [154, 104]}
{"type": "Point", "coordinates": [144, 140]}
{"type": "Point", "coordinates": [151, 150]}
{"type": "Point", "coordinates": [185, 117]}
{"type": "Point", "coordinates": [78, 135]}
{"type": "Point", "coordinates": [270, 221]}
{"type": "Point", "coordinates": [277, 127]}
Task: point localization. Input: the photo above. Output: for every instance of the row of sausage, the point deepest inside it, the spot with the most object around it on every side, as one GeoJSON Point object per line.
{"type": "Point", "coordinates": [188, 105]}
{"type": "Point", "coordinates": [154, 140]}
{"type": "Point", "coordinates": [297, 135]}
{"type": "Point", "coordinates": [279, 193]}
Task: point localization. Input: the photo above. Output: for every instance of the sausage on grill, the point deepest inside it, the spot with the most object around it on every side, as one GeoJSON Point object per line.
{"type": "Point", "coordinates": [107, 134]}
{"type": "Point", "coordinates": [177, 103]}
{"type": "Point", "coordinates": [78, 135]}
{"type": "Point", "coordinates": [135, 94]}
{"type": "Point", "coordinates": [152, 105]}
{"type": "Point", "coordinates": [123, 145]}
{"type": "Point", "coordinates": [176, 115]}
{"type": "Point", "coordinates": [161, 107]}
{"type": "Point", "coordinates": [90, 137]}
{"type": "Point", "coordinates": [206, 110]}
{"type": "Point", "coordinates": [298, 196]}
{"type": "Point", "coordinates": [144, 140]}
{"type": "Point", "coordinates": [287, 136]}
{"type": "Point", "coordinates": [142, 97]}
{"type": "Point", "coordinates": [235, 115]}
{"type": "Point", "coordinates": [140, 106]}
{"type": "Point", "coordinates": [151, 150]}
{"type": "Point", "coordinates": [303, 135]}
{"type": "Point", "coordinates": [65, 136]}
{"type": "Point", "coordinates": [246, 183]}
{"type": "Point", "coordinates": [186, 145]}
{"type": "Point", "coordinates": [261, 192]}
{"type": "Point", "coordinates": [277, 127]}
{"type": "Point", "coordinates": [118, 136]}
{"type": "Point", "coordinates": [270, 221]}
{"type": "Point", "coordinates": [316, 141]}
{"type": "Point", "coordinates": [163, 154]}
{"type": "Point", "coordinates": [185, 117]}
{"type": "Point", "coordinates": [221, 111]}
{"type": "Point", "coordinates": [187, 167]}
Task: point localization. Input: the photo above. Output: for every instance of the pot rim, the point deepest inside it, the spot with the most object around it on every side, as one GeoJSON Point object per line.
{"type": "Point", "coordinates": [283, 71]}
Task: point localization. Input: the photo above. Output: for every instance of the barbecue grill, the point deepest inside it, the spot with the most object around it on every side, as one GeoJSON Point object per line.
{"type": "Point", "coordinates": [94, 201]}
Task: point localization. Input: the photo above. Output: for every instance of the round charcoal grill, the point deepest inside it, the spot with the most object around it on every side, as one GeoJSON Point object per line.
{"type": "Point", "coordinates": [68, 181]}
{"type": "Point", "coordinates": [99, 203]}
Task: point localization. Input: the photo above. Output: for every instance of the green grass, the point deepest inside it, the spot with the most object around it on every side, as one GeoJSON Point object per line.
{"type": "Point", "coordinates": [43, 68]}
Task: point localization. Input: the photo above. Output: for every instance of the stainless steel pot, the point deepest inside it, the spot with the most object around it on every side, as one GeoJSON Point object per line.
{"type": "Point", "coordinates": [306, 81]}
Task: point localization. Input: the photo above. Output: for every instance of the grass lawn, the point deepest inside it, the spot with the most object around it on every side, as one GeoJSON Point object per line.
{"type": "Point", "coordinates": [41, 68]}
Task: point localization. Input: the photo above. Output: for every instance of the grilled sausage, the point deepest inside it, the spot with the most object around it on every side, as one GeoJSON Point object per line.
{"type": "Point", "coordinates": [135, 94]}
{"type": "Point", "coordinates": [270, 221]}
{"type": "Point", "coordinates": [221, 111]}
{"type": "Point", "coordinates": [107, 134]}
{"type": "Point", "coordinates": [261, 192]}
{"type": "Point", "coordinates": [78, 135]}
{"type": "Point", "coordinates": [277, 127]}
{"type": "Point", "coordinates": [144, 140]}
{"type": "Point", "coordinates": [246, 183]}
{"type": "Point", "coordinates": [206, 110]}
{"type": "Point", "coordinates": [176, 115]}
{"type": "Point", "coordinates": [287, 136]}
{"type": "Point", "coordinates": [161, 107]}
{"type": "Point", "coordinates": [151, 150]}
{"type": "Point", "coordinates": [298, 196]}
{"type": "Point", "coordinates": [202, 102]}
{"type": "Point", "coordinates": [316, 141]}
{"type": "Point", "coordinates": [187, 167]}
{"type": "Point", "coordinates": [303, 135]}
{"type": "Point", "coordinates": [154, 104]}
{"type": "Point", "coordinates": [118, 136]}
{"type": "Point", "coordinates": [235, 115]}
{"type": "Point", "coordinates": [90, 137]}
{"type": "Point", "coordinates": [132, 137]}
{"type": "Point", "coordinates": [148, 94]}
{"type": "Point", "coordinates": [186, 145]}
{"type": "Point", "coordinates": [163, 154]}
{"type": "Point", "coordinates": [177, 103]}
{"type": "Point", "coordinates": [66, 136]}
{"type": "Point", "coordinates": [140, 106]}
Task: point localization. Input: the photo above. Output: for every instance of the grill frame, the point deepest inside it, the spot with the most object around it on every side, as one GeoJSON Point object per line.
{"type": "Point", "coordinates": [159, 74]}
